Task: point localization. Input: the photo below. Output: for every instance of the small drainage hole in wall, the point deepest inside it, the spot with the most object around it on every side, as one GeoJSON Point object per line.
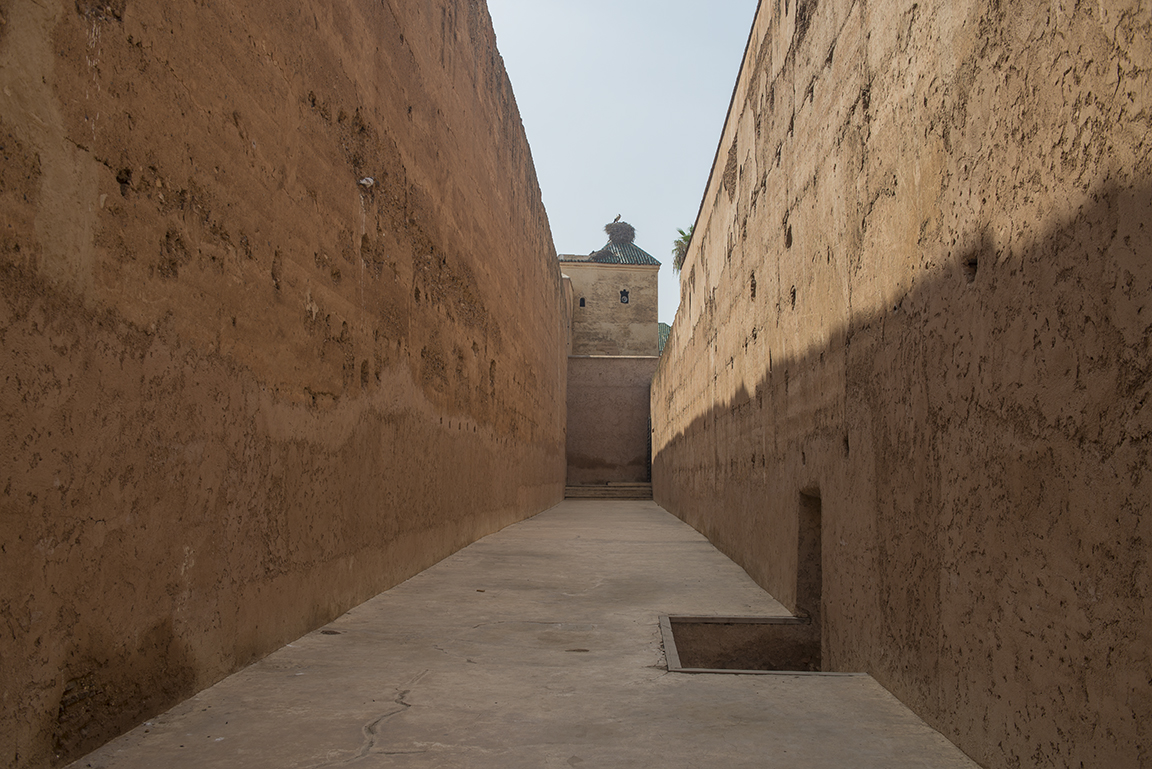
{"type": "Point", "coordinates": [703, 644]}
{"type": "Point", "coordinates": [970, 265]}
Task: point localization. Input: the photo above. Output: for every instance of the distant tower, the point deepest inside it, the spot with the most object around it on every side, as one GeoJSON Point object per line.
{"type": "Point", "coordinates": [615, 293]}
{"type": "Point", "coordinates": [615, 344]}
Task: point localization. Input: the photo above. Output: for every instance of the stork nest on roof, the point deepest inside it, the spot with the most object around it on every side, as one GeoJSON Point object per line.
{"type": "Point", "coordinates": [620, 232]}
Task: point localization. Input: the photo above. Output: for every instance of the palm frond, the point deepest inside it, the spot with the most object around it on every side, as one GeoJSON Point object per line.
{"type": "Point", "coordinates": [680, 247]}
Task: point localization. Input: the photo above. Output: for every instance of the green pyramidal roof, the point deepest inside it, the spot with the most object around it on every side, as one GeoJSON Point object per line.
{"type": "Point", "coordinates": [615, 253]}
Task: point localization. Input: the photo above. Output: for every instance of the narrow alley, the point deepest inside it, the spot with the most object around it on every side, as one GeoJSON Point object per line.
{"type": "Point", "coordinates": [537, 646]}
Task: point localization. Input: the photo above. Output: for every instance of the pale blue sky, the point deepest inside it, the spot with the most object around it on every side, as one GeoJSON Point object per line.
{"type": "Point", "coordinates": [623, 102]}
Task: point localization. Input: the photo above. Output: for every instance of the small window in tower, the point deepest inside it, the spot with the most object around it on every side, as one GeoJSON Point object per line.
{"type": "Point", "coordinates": [581, 301]}
{"type": "Point", "coordinates": [623, 296]}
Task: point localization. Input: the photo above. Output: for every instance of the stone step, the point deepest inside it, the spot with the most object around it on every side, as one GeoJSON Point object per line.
{"type": "Point", "coordinates": [610, 491]}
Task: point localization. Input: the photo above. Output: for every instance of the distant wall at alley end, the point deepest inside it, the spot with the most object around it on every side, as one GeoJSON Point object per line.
{"type": "Point", "coordinates": [282, 325]}
{"type": "Point", "coordinates": [608, 419]}
{"type": "Point", "coordinates": [920, 292]}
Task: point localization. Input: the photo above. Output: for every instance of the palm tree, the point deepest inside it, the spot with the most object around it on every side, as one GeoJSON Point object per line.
{"type": "Point", "coordinates": [680, 247]}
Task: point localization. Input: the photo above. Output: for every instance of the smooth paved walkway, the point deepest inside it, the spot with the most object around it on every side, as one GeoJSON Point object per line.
{"type": "Point", "coordinates": [538, 646]}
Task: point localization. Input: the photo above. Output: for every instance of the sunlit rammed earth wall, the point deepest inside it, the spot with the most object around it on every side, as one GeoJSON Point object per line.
{"type": "Point", "coordinates": [281, 325]}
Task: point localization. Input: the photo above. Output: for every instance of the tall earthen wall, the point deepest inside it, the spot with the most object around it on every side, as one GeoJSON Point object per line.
{"type": "Point", "coordinates": [281, 325]}
{"type": "Point", "coordinates": [608, 419]}
{"type": "Point", "coordinates": [920, 290]}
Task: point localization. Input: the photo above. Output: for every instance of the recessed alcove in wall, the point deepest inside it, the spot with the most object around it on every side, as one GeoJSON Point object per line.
{"type": "Point", "coordinates": [809, 559]}
{"type": "Point", "coordinates": [761, 644]}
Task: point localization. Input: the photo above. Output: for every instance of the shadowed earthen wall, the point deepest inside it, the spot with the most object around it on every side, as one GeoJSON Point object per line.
{"type": "Point", "coordinates": [281, 325]}
{"type": "Point", "coordinates": [608, 426]}
{"type": "Point", "coordinates": [920, 291]}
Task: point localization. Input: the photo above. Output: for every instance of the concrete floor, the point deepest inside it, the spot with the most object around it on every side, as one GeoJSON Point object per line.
{"type": "Point", "coordinates": [538, 646]}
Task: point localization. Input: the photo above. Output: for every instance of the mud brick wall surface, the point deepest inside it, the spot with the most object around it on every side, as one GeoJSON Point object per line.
{"type": "Point", "coordinates": [920, 289]}
{"type": "Point", "coordinates": [608, 419]}
{"type": "Point", "coordinates": [281, 325]}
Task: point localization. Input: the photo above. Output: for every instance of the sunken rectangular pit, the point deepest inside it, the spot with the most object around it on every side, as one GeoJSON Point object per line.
{"type": "Point", "coordinates": [741, 644]}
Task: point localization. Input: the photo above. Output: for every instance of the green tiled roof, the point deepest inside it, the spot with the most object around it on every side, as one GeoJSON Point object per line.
{"type": "Point", "coordinates": [615, 253]}
{"type": "Point", "coordinates": [624, 253]}
{"type": "Point", "coordinates": [663, 329]}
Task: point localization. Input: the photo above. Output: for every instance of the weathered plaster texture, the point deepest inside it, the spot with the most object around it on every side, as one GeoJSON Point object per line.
{"type": "Point", "coordinates": [608, 425]}
{"type": "Point", "coordinates": [921, 290]}
{"type": "Point", "coordinates": [281, 325]}
{"type": "Point", "coordinates": [605, 325]}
